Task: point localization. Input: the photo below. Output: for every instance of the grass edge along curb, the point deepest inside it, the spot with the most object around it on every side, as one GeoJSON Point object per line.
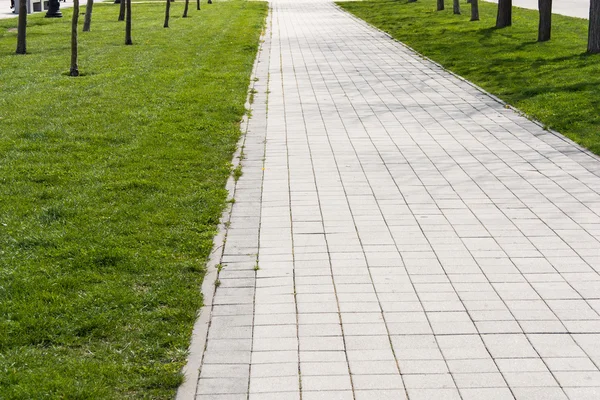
{"type": "Point", "coordinates": [59, 214]}
{"type": "Point", "coordinates": [191, 371]}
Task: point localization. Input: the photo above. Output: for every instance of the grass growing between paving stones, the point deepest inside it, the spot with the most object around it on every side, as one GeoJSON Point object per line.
{"type": "Point", "coordinates": [554, 82]}
{"type": "Point", "coordinates": [111, 186]}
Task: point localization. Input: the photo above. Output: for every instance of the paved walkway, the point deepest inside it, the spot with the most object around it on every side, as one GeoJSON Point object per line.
{"type": "Point", "coordinates": [415, 238]}
{"type": "Point", "coordinates": [7, 12]}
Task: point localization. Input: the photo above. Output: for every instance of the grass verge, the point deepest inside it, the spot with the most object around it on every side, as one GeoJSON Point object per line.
{"type": "Point", "coordinates": [554, 82]}
{"type": "Point", "coordinates": [111, 186]}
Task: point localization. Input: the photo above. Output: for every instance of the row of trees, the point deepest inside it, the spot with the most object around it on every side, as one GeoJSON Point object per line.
{"type": "Point", "coordinates": [545, 22]}
{"type": "Point", "coordinates": [456, 8]}
{"type": "Point", "coordinates": [124, 15]}
{"type": "Point", "coordinates": [504, 18]}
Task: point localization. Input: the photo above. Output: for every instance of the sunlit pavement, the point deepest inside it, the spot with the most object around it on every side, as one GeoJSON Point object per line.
{"type": "Point", "coordinates": [398, 233]}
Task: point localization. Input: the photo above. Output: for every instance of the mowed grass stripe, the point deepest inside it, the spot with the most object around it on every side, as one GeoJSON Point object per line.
{"type": "Point", "coordinates": [111, 186]}
{"type": "Point", "coordinates": [554, 82]}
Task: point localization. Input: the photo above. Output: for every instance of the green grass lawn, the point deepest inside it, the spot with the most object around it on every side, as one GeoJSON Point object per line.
{"type": "Point", "coordinates": [554, 82]}
{"type": "Point", "coordinates": [111, 186]}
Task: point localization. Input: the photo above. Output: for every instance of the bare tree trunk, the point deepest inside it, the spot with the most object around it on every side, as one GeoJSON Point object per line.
{"type": "Point", "coordinates": [474, 10]}
{"type": "Point", "coordinates": [197, 4]}
{"type": "Point", "coordinates": [87, 21]}
{"type": "Point", "coordinates": [74, 71]}
{"type": "Point", "coordinates": [504, 17]}
{"type": "Point", "coordinates": [440, 5]}
{"type": "Point", "coordinates": [545, 25]}
{"type": "Point", "coordinates": [594, 29]}
{"type": "Point", "coordinates": [185, 8]}
{"type": "Point", "coordinates": [128, 23]}
{"type": "Point", "coordinates": [456, 7]}
{"type": "Point", "coordinates": [167, 14]}
{"type": "Point", "coordinates": [22, 28]}
{"type": "Point", "coordinates": [122, 6]}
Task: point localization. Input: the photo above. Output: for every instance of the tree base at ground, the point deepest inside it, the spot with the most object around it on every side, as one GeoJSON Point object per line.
{"type": "Point", "coordinates": [504, 16]}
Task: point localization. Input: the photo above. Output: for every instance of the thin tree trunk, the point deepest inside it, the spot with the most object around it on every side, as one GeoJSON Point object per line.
{"type": "Point", "coordinates": [167, 14]}
{"type": "Point", "coordinates": [185, 8]}
{"type": "Point", "coordinates": [504, 17]}
{"type": "Point", "coordinates": [545, 25]}
{"type": "Point", "coordinates": [122, 6]}
{"type": "Point", "coordinates": [474, 10]}
{"type": "Point", "coordinates": [197, 4]}
{"type": "Point", "coordinates": [128, 23]}
{"type": "Point", "coordinates": [74, 71]}
{"type": "Point", "coordinates": [87, 21]}
{"type": "Point", "coordinates": [440, 5]}
{"type": "Point", "coordinates": [456, 7]}
{"type": "Point", "coordinates": [594, 29]}
{"type": "Point", "coordinates": [22, 28]}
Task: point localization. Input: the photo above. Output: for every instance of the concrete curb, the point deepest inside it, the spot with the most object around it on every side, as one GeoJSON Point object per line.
{"type": "Point", "coordinates": [191, 371]}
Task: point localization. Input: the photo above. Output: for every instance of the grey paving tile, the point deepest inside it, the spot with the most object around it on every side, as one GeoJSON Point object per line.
{"type": "Point", "coordinates": [429, 381]}
{"type": "Point", "coordinates": [326, 383]}
{"type": "Point", "coordinates": [578, 378]}
{"type": "Point", "coordinates": [327, 395]}
{"type": "Point", "coordinates": [380, 394]}
{"type": "Point", "coordinates": [539, 393]}
{"type": "Point", "coordinates": [274, 369]}
{"type": "Point", "coordinates": [210, 386]}
{"type": "Point", "coordinates": [584, 393]}
{"type": "Point", "coordinates": [273, 384]}
{"type": "Point", "coordinates": [225, 371]}
{"type": "Point", "coordinates": [427, 394]}
{"type": "Point", "coordinates": [240, 396]}
{"type": "Point", "coordinates": [486, 393]}
{"type": "Point", "coordinates": [376, 381]}
{"type": "Point", "coordinates": [290, 395]}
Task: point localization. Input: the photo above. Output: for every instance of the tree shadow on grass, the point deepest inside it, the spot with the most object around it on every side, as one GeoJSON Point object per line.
{"type": "Point", "coordinates": [528, 92]}
{"type": "Point", "coordinates": [488, 32]}
{"type": "Point", "coordinates": [578, 56]}
{"type": "Point", "coordinates": [526, 45]}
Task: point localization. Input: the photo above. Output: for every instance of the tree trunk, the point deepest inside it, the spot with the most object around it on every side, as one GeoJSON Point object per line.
{"type": "Point", "coordinates": [197, 4]}
{"type": "Point", "coordinates": [128, 23]}
{"type": "Point", "coordinates": [456, 7]}
{"type": "Point", "coordinates": [167, 14]}
{"type": "Point", "coordinates": [594, 29]}
{"type": "Point", "coordinates": [440, 5]}
{"type": "Point", "coordinates": [504, 17]}
{"type": "Point", "coordinates": [87, 21]}
{"type": "Point", "coordinates": [22, 28]}
{"type": "Point", "coordinates": [545, 25]}
{"type": "Point", "coordinates": [474, 10]}
{"type": "Point", "coordinates": [74, 71]}
{"type": "Point", "coordinates": [122, 6]}
{"type": "Point", "coordinates": [185, 8]}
